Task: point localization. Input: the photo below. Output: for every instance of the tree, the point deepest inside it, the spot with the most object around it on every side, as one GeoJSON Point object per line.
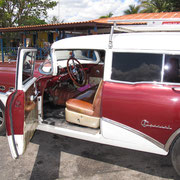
{"type": "Point", "coordinates": [16, 13]}
{"type": "Point", "coordinates": [32, 20]}
{"type": "Point", "coordinates": [55, 20]}
{"type": "Point", "coordinates": [175, 4]}
{"type": "Point", "coordinates": [107, 15]}
{"type": "Point", "coordinates": [151, 6]}
{"type": "Point", "coordinates": [132, 9]}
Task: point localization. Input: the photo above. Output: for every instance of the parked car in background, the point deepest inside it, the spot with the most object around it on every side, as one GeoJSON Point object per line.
{"type": "Point", "coordinates": [122, 90]}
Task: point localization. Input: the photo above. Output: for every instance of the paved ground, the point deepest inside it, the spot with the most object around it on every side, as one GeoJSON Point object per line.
{"type": "Point", "coordinates": [57, 157]}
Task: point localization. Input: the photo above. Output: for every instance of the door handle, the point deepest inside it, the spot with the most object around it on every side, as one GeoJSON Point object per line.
{"type": "Point", "coordinates": [33, 97]}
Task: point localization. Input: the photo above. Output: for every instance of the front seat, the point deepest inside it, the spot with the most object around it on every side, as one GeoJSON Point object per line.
{"type": "Point", "coordinates": [84, 113]}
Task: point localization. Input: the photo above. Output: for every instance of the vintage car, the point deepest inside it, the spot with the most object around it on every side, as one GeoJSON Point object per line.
{"type": "Point", "coordinates": [120, 89]}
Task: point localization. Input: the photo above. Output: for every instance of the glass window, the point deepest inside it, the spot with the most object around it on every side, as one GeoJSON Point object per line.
{"type": "Point", "coordinates": [85, 54]}
{"type": "Point", "coordinates": [135, 67]}
{"type": "Point", "coordinates": [28, 65]}
{"type": "Point", "coordinates": [171, 68]}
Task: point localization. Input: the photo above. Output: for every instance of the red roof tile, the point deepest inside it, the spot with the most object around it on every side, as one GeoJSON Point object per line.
{"type": "Point", "coordinates": [97, 22]}
{"type": "Point", "coordinates": [141, 16]}
{"type": "Point", "coordinates": [61, 26]}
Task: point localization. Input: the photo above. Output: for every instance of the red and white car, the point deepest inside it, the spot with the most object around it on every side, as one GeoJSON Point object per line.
{"type": "Point", "coordinates": [126, 94]}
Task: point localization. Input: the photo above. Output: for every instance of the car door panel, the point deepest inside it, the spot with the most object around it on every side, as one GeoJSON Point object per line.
{"type": "Point", "coordinates": [150, 109]}
{"type": "Point", "coordinates": [30, 114]}
{"type": "Point", "coordinates": [15, 105]}
{"type": "Point", "coordinates": [21, 107]}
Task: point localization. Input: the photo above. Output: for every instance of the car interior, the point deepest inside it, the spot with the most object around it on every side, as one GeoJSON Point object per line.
{"type": "Point", "coordinates": [72, 99]}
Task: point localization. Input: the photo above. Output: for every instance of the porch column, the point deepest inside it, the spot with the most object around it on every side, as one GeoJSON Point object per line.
{"type": "Point", "coordinates": [24, 39]}
{"type": "Point", "coordinates": [1, 40]}
{"type": "Point", "coordinates": [95, 30]}
{"type": "Point", "coordinates": [57, 34]}
{"type": "Point", "coordinates": [89, 31]}
{"type": "Point", "coordinates": [36, 39]}
{"type": "Point", "coordinates": [60, 34]}
{"type": "Point", "coordinates": [63, 34]}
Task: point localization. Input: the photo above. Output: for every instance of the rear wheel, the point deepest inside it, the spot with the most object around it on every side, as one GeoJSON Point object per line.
{"type": "Point", "coordinates": [175, 156]}
{"type": "Point", "coordinates": [2, 123]}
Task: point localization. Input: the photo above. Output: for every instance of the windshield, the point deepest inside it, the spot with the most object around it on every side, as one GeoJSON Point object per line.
{"type": "Point", "coordinates": [85, 54]}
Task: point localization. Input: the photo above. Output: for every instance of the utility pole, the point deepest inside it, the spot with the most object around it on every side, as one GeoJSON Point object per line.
{"type": "Point", "coordinates": [59, 11]}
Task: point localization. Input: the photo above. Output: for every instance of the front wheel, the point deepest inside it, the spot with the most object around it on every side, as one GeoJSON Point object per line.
{"type": "Point", "coordinates": [2, 123]}
{"type": "Point", "coordinates": [175, 156]}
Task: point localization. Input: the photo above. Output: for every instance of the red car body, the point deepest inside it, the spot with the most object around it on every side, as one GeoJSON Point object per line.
{"type": "Point", "coordinates": [134, 102]}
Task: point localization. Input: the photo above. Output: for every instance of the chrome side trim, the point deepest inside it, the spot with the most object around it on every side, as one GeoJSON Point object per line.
{"type": "Point", "coordinates": [143, 82]}
{"type": "Point", "coordinates": [145, 123]}
{"type": "Point", "coordinates": [171, 139]}
{"type": "Point", "coordinates": [160, 145]}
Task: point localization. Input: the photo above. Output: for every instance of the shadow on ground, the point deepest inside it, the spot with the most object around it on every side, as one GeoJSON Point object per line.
{"type": "Point", "coordinates": [48, 160]}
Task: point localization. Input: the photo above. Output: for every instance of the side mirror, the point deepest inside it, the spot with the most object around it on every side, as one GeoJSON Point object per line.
{"type": "Point", "coordinates": [46, 67]}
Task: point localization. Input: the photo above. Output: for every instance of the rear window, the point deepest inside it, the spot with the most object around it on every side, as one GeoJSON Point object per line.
{"type": "Point", "coordinates": [172, 69]}
{"type": "Point", "coordinates": [136, 67]}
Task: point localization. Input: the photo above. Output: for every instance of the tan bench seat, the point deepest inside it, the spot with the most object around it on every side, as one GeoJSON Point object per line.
{"type": "Point", "coordinates": [85, 113]}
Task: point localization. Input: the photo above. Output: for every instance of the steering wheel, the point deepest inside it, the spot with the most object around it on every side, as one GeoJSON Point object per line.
{"type": "Point", "coordinates": [76, 71]}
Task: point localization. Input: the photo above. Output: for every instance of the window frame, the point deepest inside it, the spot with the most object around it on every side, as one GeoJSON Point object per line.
{"type": "Point", "coordinates": [32, 70]}
{"type": "Point", "coordinates": [109, 59]}
{"type": "Point", "coordinates": [133, 62]}
{"type": "Point", "coordinates": [88, 60]}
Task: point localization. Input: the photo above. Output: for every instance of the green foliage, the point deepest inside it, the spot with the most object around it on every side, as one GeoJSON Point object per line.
{"type": "Point", "coordinates": [32, 20]}
{"type": "Point", "coordinates": [132, 10]}
{"type": "Point", "coordinates": [150, 6]}
{"type": "Point", "coordinates": [21, 12]}
{"type": "Point", "coordinates": [55, 20]}
{"type": "Point", "coordinates": [175, 4]}
{"type": "Point", "coordinates": [106, 16]}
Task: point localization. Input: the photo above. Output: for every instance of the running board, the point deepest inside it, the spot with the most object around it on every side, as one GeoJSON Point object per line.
{"type": "Point", "coordinates": [97, 138]}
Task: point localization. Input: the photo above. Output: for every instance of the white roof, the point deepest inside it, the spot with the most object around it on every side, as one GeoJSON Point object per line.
{"type": "Point", "coordinates": [167, 41]}
{"type": "Point", "coordinates": [83, 42]}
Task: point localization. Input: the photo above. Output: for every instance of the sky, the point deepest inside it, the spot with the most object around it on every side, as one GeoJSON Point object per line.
{"type": "Point", "coordinates": [84, 10]}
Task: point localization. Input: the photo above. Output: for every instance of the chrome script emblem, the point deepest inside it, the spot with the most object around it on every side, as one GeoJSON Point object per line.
{"type": "Point", "coordinates": [146, 123]}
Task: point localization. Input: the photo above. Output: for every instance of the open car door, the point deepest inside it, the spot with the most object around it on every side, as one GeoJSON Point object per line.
{"type": "Point", "coordinates": [21, 108]}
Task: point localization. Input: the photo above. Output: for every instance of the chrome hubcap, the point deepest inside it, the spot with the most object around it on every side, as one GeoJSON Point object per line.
{"type": "Point", "coordinates": [1, 118]}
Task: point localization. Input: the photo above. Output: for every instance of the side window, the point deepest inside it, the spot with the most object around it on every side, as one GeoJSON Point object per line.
{"type": "Point", "coordinates": [80, 54]}
{"type": "Point", "coordinates": [136, 67]}
{"type": "Point", "coordinates": [172, 68]}
{"type": "Point", "coordinates": [28, 66]}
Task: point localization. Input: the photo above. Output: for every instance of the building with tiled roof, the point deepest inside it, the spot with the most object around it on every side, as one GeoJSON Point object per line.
{"type": "Point", "coordinates": [98, 23]}
{"type": "Point", "coordinates": [38, 34]}
{"type": "Point", "coordinates": [162, 15]}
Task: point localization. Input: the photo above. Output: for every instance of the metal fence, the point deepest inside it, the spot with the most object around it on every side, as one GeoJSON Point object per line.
{"type": "Point", "coordinates": [10, 53]}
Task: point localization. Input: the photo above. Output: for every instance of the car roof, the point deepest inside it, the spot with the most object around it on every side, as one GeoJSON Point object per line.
{"type": "Point", "coordinates": [168, 41]}
{"type": "Point", "coordinates": [83, 42]}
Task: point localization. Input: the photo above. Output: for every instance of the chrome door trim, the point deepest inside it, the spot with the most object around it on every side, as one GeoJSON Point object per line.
{"type": "Point", "coordinates": [152, 140]}
{"type": "Point", "coordinates": [142, 82]}
{"type": "Point", "coordinates": [171, 139]}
